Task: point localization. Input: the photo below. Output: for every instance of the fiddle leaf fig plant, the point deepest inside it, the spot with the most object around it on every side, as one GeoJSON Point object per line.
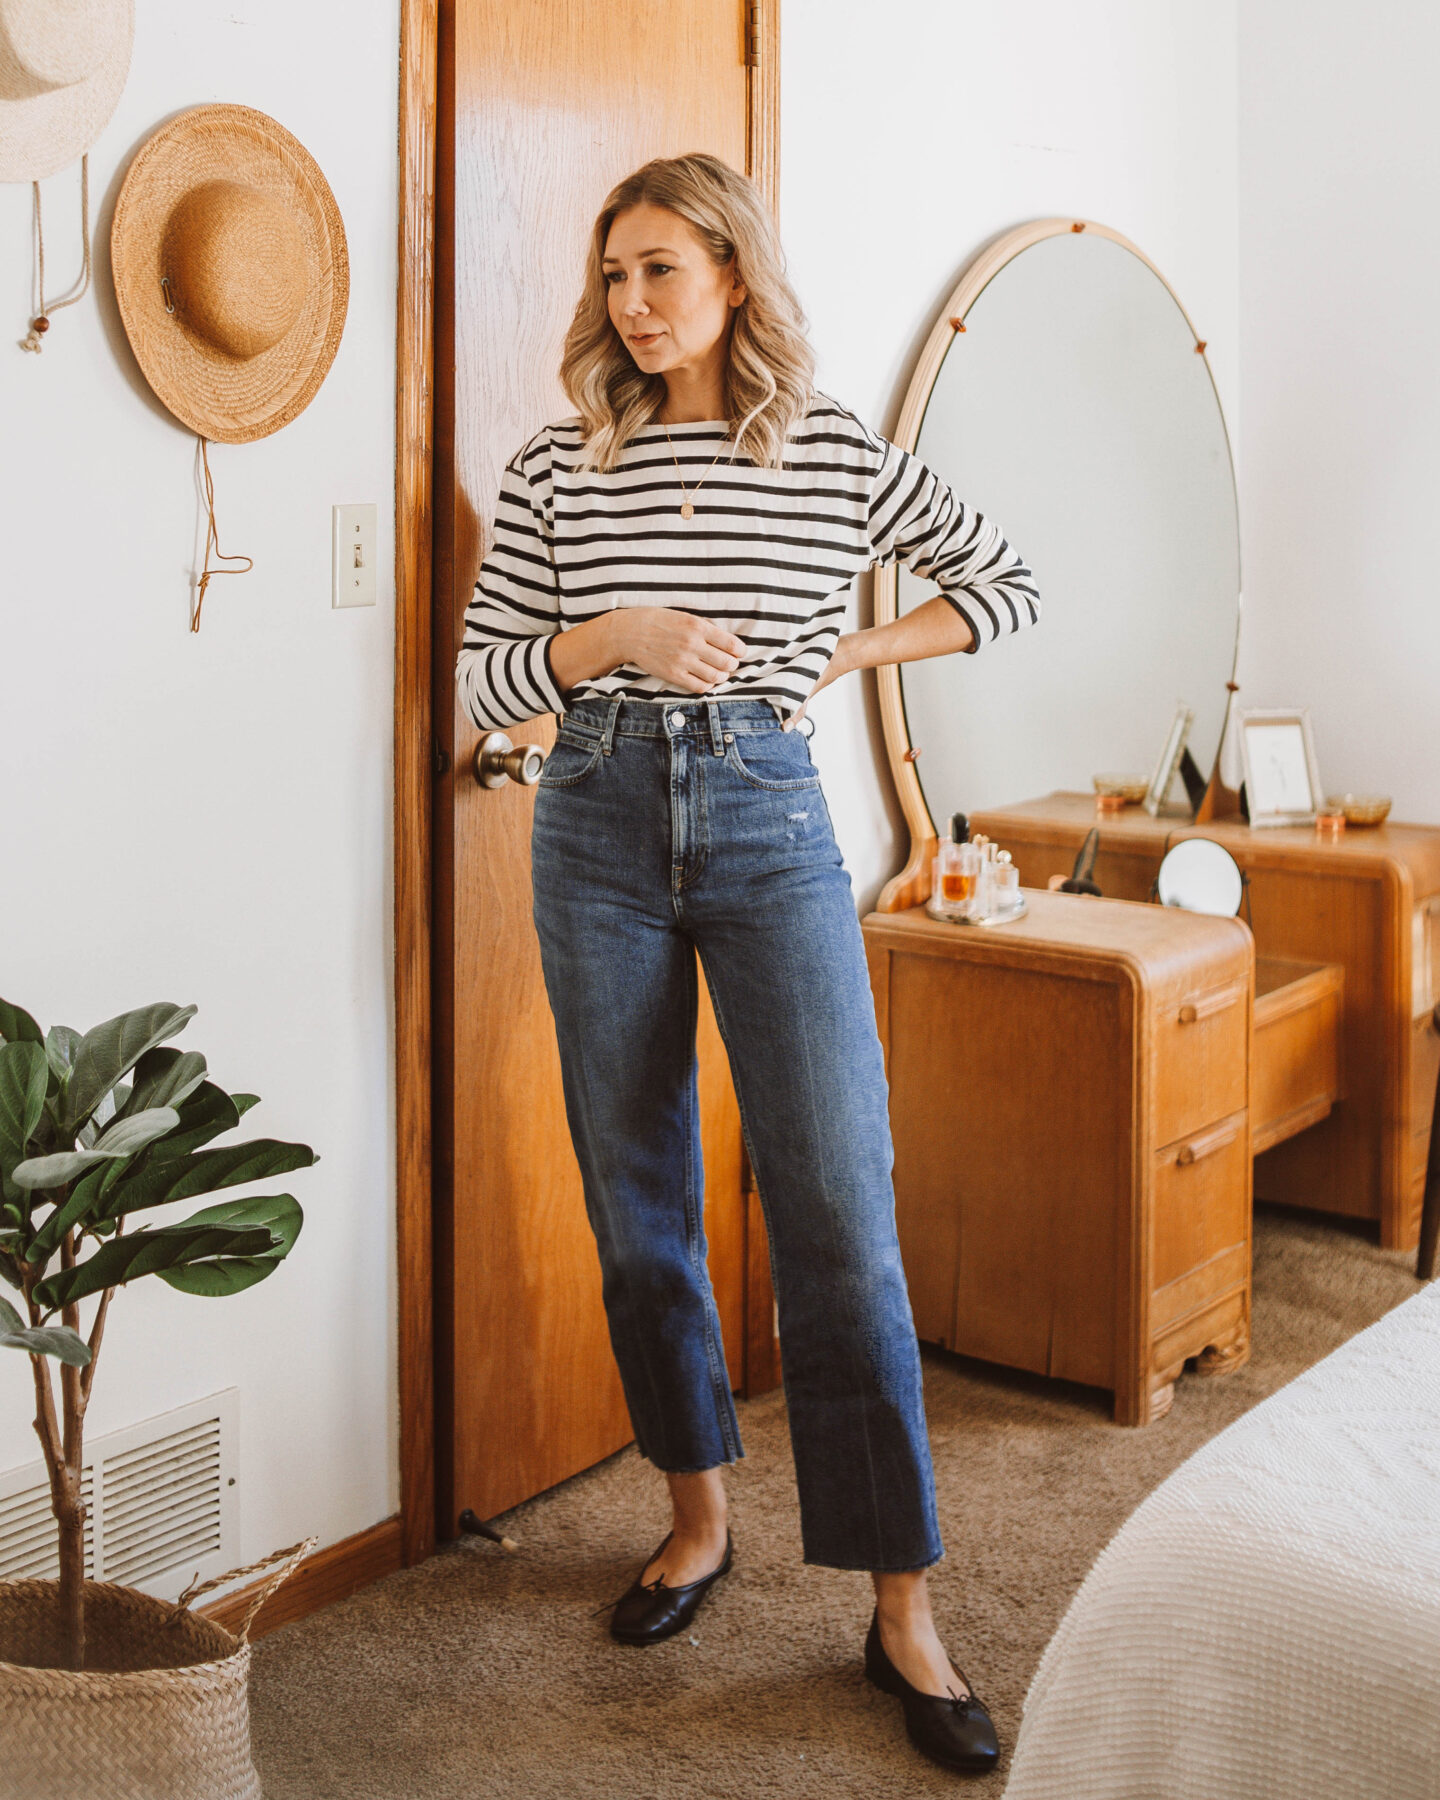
{"type": "Point", "coordinates": [85, 1154]}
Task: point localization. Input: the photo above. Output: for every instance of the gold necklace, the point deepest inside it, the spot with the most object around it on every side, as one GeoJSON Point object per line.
{"type": "Point", "coordinates": [687, 511]}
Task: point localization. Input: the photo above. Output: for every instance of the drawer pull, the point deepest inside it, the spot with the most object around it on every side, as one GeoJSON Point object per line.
{"type": "Point", "coordinates": [1207, 1145]}
{"type": "Point", "coordinates": [1210, 1004]}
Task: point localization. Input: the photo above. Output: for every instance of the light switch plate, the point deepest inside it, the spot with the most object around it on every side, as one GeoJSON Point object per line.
{"type": "Point", "coordinates": [353, 556]}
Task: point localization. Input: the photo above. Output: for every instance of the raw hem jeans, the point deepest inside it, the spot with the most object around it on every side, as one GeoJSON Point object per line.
{"type": "Point", "coordinates": [660, 831]}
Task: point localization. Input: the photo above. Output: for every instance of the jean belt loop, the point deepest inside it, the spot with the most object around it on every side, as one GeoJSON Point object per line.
{"type": "Point", "coordinates": [607, 742]}
{"type": "Point", "coordinates": [717, 741]}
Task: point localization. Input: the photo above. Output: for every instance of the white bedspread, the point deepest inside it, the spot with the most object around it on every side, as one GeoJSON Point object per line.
{"type": "Point", "coordinates": [1266, 1625]}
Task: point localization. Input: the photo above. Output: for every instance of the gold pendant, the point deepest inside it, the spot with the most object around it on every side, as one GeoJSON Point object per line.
{"type": "Point", "coordinates": [687, 511]}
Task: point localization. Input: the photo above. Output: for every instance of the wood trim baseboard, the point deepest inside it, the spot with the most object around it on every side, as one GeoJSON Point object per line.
{"type": "Point", "coordinates": [329, 1575]}
{"type": "Point", "coordinates": [414, 771]}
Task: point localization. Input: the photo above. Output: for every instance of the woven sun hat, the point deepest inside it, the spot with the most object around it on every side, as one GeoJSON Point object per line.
{"type": "Point", "coordinates": [231, 271]}
{"type": "Point", "coordinates": [63, 65]}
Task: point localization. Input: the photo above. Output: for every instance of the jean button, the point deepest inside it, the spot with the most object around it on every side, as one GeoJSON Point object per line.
{"type": "Point", "coordinates": [677, 720]}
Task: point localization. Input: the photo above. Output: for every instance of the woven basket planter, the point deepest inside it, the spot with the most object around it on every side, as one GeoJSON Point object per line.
{"type": "Point", "coordinates": [160, 1712]}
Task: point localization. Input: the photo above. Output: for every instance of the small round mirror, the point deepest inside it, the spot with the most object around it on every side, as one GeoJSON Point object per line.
{"type": "Point", "coordinates": [1202, 876]}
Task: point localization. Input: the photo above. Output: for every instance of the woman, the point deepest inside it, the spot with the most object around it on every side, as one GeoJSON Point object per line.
{"type": "Point", "coordinates": [669, 575]}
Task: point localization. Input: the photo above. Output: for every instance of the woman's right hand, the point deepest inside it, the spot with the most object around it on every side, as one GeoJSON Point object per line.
{"type": "Point", "coordinates": [685, 652]}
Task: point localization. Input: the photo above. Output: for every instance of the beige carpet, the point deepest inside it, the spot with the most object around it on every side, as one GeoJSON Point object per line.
{"type": "Point", "coordinates": [486, 1674]}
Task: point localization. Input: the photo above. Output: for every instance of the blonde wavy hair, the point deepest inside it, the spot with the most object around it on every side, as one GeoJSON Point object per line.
{"type": "Point", "coordinates": [769, 379]}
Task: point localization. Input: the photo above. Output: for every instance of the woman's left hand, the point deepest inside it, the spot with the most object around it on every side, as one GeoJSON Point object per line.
{"type": "Point", "coordinates": [934, 628]}
{"type": "Point", "coordinates": [839, 664]}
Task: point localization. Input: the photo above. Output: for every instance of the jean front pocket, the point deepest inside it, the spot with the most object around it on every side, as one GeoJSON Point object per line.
{"type": "Point", "coordinates": [572, 759]}
{"type": "Point", "coordinates": [778, 761]}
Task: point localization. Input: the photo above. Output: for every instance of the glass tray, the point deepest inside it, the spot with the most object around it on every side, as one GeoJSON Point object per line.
{"type": "Point", "coordinates": [1005, 918]}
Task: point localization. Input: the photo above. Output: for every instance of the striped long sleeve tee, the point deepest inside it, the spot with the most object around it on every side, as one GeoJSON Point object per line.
{"type": "Point", "coordinates": [769, 554]}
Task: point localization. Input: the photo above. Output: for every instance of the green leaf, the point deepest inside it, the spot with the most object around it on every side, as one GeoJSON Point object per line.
{"type": "Point", "coordinates": [59, 1341]}
{"type": "Point", "coordinates": [16, 1025]}
{"type": "Point", "coordinates": [219, 1276]}
{"type": "Point", "coordinates": [126, 1259]}
{"type": "Point", "coordinates": [279, 1213]}
{"type": "Point", "coordinates": [62, 1043]}
{"type": "Point", "coordinates": [112, 1050]}
{"type": "Point", "coordinates": [217, 1279]}
{"type": "Point", "coordinates": [208, 1113]}
{"type": "Point", "coordinates": [23, 1079]}
{"type": "Point", "coordinates": [55, 1171]}
{"type": "Point", "coordinates": [165, 1178]}
{"type": "Point", "coordinates": [134, 1132]}
{"type": "Point", "coordinates": [165, 1077]}
{"type": "Point", "coordinates": [79, 1209]}
{"type": "Point", "coordinates": [243, 1102]}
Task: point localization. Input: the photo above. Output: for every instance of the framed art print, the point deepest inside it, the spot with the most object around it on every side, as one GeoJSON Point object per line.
{"type": "Point", "coordinates": [1170, 755]}
{"type": "Point", "coordinates": [1282, 782]}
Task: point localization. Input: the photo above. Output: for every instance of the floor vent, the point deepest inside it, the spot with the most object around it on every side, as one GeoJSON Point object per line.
{"type": "Point", "coordinates": [27, 1529]}
{"type": "Point", "coordinates": [163, 1503]}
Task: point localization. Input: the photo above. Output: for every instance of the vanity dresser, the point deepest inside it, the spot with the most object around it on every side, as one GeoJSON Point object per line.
{"type": "Point", "coordinates": [1086, 1099]}
{"type": "Point", "coordinates": [1070, 1109]}
{"type": "Point", "coordinates": [1368, 903]}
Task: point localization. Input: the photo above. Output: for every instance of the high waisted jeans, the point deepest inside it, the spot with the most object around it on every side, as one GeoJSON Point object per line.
{"type": "Point", "coordinates": [701, 825]}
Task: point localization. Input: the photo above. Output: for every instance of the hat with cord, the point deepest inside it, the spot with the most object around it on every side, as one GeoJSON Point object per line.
{"type": "Point", "coordinates": [63, 65]}
{"type": "Point", "coordinates": [231, 271]}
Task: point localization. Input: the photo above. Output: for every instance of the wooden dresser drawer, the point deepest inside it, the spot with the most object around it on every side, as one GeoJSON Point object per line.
{"type": "Point", "coordinates": [1201, 1198]}
{"type": "Point", "coordinates": [1201, 1043]}
{"type": "Point", "coordinates": [1296, 1078]}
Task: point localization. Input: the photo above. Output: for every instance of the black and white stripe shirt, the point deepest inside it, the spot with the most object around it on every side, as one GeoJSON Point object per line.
{"type": "Point", "coordinates": [769, 555]}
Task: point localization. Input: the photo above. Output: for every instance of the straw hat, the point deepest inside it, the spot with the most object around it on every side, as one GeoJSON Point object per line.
{"type": "Point", "coordinates": [63, 64]}
{"type": "Point", "coordinates": [231, 271]}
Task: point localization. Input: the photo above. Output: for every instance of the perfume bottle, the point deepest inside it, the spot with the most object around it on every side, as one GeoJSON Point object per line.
{"type": "Point", "coordinates": [957, 865]}
{"type": "Point", "coordinates": [984, 903]}
{"type": "Point", "coordinates": [1004, 886]}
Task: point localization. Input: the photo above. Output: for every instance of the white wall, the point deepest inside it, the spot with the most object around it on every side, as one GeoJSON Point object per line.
{"type": "Point", "coordinates": [1340, 296]}
{"type": "Point", "coordinates": [205, 818]}
{"type": "Point", "coordinates": [914, 132]}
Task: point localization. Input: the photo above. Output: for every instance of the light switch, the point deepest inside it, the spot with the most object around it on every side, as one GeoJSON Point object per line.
{"type": "Point", "coordinates": [353, 560]}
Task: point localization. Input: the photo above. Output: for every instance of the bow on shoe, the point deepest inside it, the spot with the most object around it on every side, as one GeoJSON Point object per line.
{"type": "Point", "coordinates": [647, 1587]}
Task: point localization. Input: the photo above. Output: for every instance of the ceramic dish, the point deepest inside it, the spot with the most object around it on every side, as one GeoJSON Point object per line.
{"type": "Point", "coordinates": [1132, 789]}
{"type": "Point", "coordinates": [1359, 809]}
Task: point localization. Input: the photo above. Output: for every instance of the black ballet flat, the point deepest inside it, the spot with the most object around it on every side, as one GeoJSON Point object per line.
{"type": "Point", "coordinates": [649, 1611]}
{"type": "Point", "coordinates": [959, 1734]}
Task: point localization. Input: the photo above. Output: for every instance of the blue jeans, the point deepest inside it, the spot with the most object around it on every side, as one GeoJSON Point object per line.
{"type": "Point", "coordinates": [660, 831]}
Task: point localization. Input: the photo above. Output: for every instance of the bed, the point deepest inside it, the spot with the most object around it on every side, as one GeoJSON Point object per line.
{"type": "Point", "coordinates": [1266, 1625]}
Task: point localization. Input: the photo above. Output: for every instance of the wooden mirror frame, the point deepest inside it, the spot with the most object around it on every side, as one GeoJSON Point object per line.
{"type": "Point", "coordinates": [911, 887]}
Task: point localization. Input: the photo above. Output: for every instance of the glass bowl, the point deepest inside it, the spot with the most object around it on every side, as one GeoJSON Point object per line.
{"type": "Point", "coordinates": [1359, 809]}
{"type": "Point", "coordinates": [1132, 789]}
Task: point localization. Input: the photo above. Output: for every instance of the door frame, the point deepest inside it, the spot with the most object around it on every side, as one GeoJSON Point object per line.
{"type": "Point", "coordinates": [414, 737]}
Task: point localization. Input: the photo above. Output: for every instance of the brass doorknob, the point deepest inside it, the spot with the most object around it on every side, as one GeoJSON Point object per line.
{"type": "Point", "coordinates": [498, 761]}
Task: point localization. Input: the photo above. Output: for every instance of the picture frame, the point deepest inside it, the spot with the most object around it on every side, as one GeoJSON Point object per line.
{"type": "Point", "coordinates": [1282, 778]}
{"type": "Point", "coordinates": [1170, 755]}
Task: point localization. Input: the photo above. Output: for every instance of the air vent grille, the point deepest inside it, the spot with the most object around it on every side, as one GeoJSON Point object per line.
{"type": "Point", "coordinates": [28, 1548]}
{"type": "Point", "coordinates": [162, 1499]}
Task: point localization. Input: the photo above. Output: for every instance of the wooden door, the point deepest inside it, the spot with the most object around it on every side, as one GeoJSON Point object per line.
{"type": "Point", "coordinates": [543, 106]}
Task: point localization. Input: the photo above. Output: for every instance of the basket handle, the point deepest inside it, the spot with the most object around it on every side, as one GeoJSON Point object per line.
{"type": "Point", "coordinates": [287, 1561]}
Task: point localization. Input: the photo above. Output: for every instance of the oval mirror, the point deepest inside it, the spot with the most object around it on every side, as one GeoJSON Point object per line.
{"type": "Point", "coordinates": [1202, 876]}
{"type": "Point", "coordinates": [1065, 394]}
